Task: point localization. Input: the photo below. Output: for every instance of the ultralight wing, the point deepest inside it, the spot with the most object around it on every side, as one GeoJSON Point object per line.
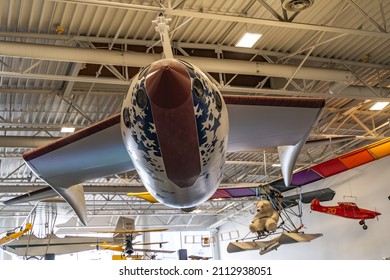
{"type": "Point", "coordinates": [342, 163]}
{"type": "Point", "coordinates": [225, 193]}
{"type": "Point", "coordinates": [325, 194]}
{"type": "Point", "coordinates": [315, 173]}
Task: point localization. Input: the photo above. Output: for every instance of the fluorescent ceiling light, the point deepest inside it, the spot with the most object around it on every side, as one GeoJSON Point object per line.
{"type": "Point", "coordinates": [379, 105]}
{"type": "Point", "coordinates": [67, 129]}
{"type": "Point", "coordinates": [248, 40]}
{"type": "Point", "coordinates": [276, 165]}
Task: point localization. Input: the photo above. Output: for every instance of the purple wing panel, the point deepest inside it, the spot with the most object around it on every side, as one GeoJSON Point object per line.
{"type": "Point", "coordinates": [234, 192]}
{"type": "Point", "coordinates": [304, 177]}
{"type": "Point", "coordinates": [241, 192]}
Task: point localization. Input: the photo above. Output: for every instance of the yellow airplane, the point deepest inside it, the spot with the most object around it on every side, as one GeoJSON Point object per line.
{"type": "Point", "coordinates": [144, 195]}
{"type": "Point", "coordinates": [124, 234]}
{"type": "Point", "coordinates": [129, 249]}
{"type": "Point", "coordinates": [13, 234]}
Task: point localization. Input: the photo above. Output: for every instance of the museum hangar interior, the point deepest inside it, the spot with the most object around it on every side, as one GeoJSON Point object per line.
{"type": "Point", "coordinates": [70, 63]}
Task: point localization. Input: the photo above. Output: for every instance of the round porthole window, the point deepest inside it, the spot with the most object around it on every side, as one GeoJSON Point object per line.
{"type": "Point", "coordinates": [189, 66]}
{"type": "Point", "coordinates": [198, 88]}
{"type": "Point", "coordinates": [218, 101]}
{"type": "Point", "coordinates": [126, 117]}
{"type": "Point", "coordinates": [143, 72]}
{"type": "Point", "coordinates": [142, 99]}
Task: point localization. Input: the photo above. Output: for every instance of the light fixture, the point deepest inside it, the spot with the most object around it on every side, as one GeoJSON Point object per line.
{"type": "Point", "coordinates": [248, 40]}
{"type": "Point", "coordinates": [297, 5]}
{"type": "Point", "coordinates": [380, 105]}
{"type": "Point", "coordinates": [59, 30]}
{"type": "Point", "coordinates": [276, 165]}
{"type": "Point", "coordinates": [68, 128]}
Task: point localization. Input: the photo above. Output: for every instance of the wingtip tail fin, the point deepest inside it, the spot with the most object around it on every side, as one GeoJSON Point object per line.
{"type": "Point", "coordinates": [74, 196]}
{"type": "Point", "coordinates": [288, 156]}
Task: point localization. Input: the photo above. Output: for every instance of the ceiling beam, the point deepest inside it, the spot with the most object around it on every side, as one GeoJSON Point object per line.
{"type": "Point", "coordinates": [274, 23]}
{"type": "Point", "coordinates": [229, 18]}
{"type": "Point", "coordinates": [184, 45]}
{"type": "Point", "coordinates": [84, 79]}
{"type": "Point", "coordinates": [25, 142]}
{"type": "Point", "coordinates": [137, 59]}
{"type": "Point", "coordinates": [351, 92]}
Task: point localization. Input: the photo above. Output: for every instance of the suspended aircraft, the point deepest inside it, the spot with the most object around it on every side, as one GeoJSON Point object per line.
{"type": "Point", "coordinates": [15, 233]}
{"type": "Point", "coordinates": [124, 235]}
{"type": "Point", "coordinates": [288, 232]}
{"type": "Point", "coordinates": [32, 246]}
{"type": "Point", "coordinates": [41, 240]}
{"type": "Point", "coordinates": [174, 129]}
{"type": "Point", "coordinates": [29, 246]}
{"type": "Point", "coordinates": [347, 210]}
{"type": "Point", "coordinates": [129, 249]}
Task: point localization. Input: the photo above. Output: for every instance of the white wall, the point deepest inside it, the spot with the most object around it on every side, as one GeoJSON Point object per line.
{"type": "Point", "coordinates": [342, 238]}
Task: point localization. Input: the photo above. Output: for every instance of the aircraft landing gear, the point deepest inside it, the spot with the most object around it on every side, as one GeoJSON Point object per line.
{"type": "Point", "coordinates": [362, 223]}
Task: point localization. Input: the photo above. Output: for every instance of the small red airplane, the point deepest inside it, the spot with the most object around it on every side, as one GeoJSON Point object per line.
{"type": "Point", "coordinates": [345, 209]}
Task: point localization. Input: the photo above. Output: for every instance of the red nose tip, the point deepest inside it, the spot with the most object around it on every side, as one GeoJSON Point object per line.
{"type": "Point", "coordinates": [168, 84]}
